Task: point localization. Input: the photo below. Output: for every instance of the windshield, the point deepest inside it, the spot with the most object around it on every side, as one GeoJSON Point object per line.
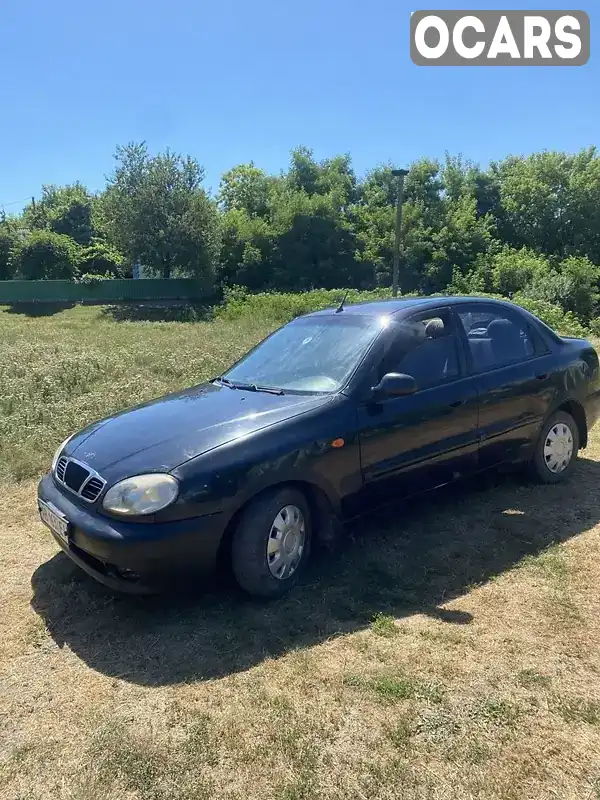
{"type": "Point", "coordinates": [314, 354]}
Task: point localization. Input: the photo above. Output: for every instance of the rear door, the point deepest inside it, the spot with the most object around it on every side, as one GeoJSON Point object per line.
{"type": "Point", "coordinates": [417, 442]}
{"type": "Point", "coordinates": [515, 375]}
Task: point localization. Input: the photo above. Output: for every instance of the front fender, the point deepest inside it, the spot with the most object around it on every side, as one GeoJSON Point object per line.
{"type": "Point", "coordinates": [302, 450]}
{"type": "Point", "coordinates": [292, 472]}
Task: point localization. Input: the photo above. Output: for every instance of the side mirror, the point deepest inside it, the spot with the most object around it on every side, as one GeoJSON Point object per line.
{"type": "Point", "coordinates": [394, 384]}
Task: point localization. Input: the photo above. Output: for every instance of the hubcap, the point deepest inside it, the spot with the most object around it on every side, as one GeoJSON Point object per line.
{"type": "Point", "coordinates": [558, 448]}
{"type": "Point", "coordinates": [285, 546]}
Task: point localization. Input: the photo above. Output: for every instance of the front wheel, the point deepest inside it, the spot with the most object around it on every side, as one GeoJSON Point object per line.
{"type": "Point", "coordinates": [556, 449]}
{"type": "Point", "coordinates": [271, 543]}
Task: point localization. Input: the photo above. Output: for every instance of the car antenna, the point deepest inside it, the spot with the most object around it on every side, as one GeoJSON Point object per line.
{"type": "Point", "coordinates": [340, 308]}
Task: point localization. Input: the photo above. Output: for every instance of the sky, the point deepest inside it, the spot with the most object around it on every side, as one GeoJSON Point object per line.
{"type": "Point", "coordinates": [238, 80]}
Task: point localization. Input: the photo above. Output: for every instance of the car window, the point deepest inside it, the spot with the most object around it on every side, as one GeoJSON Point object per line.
{"type": "Point", "coordinates": [310, 354]}
{"type": "Point", "coordinates": [496, 338]}
{"type": "Point", "coordinates": [425, 348]}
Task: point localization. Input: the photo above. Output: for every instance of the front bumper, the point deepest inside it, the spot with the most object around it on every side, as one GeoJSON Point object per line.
{"type": "Point", "coordinates": [138, 558]}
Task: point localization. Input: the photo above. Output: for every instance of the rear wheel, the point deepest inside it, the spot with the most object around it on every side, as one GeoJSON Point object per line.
{"type": "Point", "coordinates": [556, 449]}
{"type": "Point", "coordinates": [271, 543]}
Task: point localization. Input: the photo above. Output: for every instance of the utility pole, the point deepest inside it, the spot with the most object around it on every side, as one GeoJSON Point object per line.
{"type": "Point", "coordinates": [400, 174]}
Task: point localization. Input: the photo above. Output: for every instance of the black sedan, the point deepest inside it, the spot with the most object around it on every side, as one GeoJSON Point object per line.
{"type": "Point", "coordinates": [332, 414]}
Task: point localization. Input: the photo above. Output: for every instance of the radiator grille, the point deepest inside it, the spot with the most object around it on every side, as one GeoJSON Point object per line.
{"type": "Point", "coordinates": [79, 478]}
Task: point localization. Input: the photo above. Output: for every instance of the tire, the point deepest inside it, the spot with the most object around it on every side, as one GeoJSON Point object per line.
{"type": "Point", "coordinates": [562, 426]}
{"type": "Point", "coordinates": [267, 538]}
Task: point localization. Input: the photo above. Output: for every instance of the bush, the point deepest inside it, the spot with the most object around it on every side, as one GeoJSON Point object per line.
{"type": "Point", "coordinates": [573, 286]}
{"type": "Point", "coordinates": [279, 308]}
{"type": "Point", "coordinates": [512, 270]}
{"type": "Point", "coordinates": [100, 258]}
{"type": "Point", "coordinates": [93, 278]}
{"type": "Point", "coordinates": [563, 322]}
{"type": "Point", "coordinates": [282, 307]}
{"type": "Point", "coordinates": [45, 255]}
{"type": "Point", "coordinates": [505, 273]}
{"type": "Point", "coordinates": [7, 242]}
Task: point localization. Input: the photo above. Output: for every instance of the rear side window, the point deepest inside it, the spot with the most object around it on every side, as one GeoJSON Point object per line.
{"type": "Point", "coordinates": [497, 337]}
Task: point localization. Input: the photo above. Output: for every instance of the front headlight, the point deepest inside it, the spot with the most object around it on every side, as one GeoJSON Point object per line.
{"type": "Point", "coordinates": [61, 447]}
{"type": "Point", "coordinates": [142, 494]}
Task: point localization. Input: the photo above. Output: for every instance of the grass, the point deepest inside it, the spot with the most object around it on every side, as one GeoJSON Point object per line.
{"type": "Point", "coordinates": [449, 650]}
{"type": "Point", "coordinates": [392, 689]}
{"type": "Point", "coordinates": [384, 625]}
{"type": "Point", "coordinates": [533, 678]}
{"type": "Point", "coordinates": [496, 711]}
{"type": "Point", "coordinates": [62, 371]}
{"type": "Point", "coordinates": [579, 709]}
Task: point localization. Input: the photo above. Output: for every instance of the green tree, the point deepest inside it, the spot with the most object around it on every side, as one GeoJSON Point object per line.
{"type": "Point", "coordinates": [512, 270]}
{"type": "Point", "coordinates": [100, 258]}
{"type": "Point", "coordinates": [9, 239]}
{"type": "Point", "coordinates": [462, 177]}
{"type": "Point", "coordinates": [572, 285]}
{"type": "Point", "coordinates": [314, 245]}
{"type": "Point", "coordinates": [247, 251]}
{"type": "Point", "coordinates": [585, 204]}
{"type": "Point", "coordinates": [461, 239]}
{"type": "Point", "coordinates": [423, 217]}
{"type": "Point", "coordinates": [63, 209]}
{"type": "Point", "coordinates": [527, 226]}
{"type": "Point", "coordinates": [303, 172]}
{"type": "Point", "coordinates": [333, 177]}
{"type": "Point", "coordinates": [373, 219]}
{"type": "Point", "coordinates": [502, 270]}
{"type": "Point", "coordinates": [245, 188]}
{"type": "Point", "coordinates": [551, 202]}
{"type": "Point", "coordinates": [155, 211]}
{"type": "Point", "coordinates": [291, 231]}
{"type": "Point", "coordinates": [45, 255]}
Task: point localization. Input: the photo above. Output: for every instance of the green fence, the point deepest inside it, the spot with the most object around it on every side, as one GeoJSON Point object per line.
{"type": "Point", "coordinates": [109, 291]}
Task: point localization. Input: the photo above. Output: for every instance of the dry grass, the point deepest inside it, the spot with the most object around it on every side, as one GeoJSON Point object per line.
{"type": "Point", "coordinates": [450, 651]}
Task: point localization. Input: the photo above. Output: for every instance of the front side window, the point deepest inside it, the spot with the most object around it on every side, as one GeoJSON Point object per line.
{"type": "Point", "coordinates": [426, 349]}
{"type": "Point", "coordinates": [496, 338]}
{"type": "Point", "coordinates": [314, 354]}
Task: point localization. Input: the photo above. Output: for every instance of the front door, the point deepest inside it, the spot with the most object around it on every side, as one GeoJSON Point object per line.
{"type": "Point", "coordinates": [516, 378]}
{"type": "Point", "coordinates": [412, 443]}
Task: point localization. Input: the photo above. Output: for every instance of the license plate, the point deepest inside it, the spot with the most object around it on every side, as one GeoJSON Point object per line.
{"type": "Point", "coordinates": [56, 521]}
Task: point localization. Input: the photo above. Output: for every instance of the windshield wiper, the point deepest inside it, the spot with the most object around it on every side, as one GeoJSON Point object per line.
{"type": "Point", "coordinates": [224, 381]}
{"type": "Point", "coordinates": [248, 387]}
{"type": "Point", "coordinates": [253, 387]}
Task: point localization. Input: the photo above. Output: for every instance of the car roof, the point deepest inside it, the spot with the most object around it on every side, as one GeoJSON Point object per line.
{"type": "Point", "coordinates": [405, 305]}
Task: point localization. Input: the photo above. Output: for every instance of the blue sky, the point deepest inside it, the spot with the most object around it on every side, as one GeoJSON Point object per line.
{"type": "Point", "coordinates": [234, 80]}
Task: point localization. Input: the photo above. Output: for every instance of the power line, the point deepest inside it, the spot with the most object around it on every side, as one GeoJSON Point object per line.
{"type": "Point", "coordinates": [14, 202]}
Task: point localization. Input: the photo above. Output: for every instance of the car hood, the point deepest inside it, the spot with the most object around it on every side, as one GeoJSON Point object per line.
{"type": "Point", "coordinates": [160, 435]}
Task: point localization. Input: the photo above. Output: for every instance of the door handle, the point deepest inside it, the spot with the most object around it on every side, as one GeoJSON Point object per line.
{"type": "Point", "coordinates": [542, 376]}
{"type": "Point", "coordinates": [457, 403]}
